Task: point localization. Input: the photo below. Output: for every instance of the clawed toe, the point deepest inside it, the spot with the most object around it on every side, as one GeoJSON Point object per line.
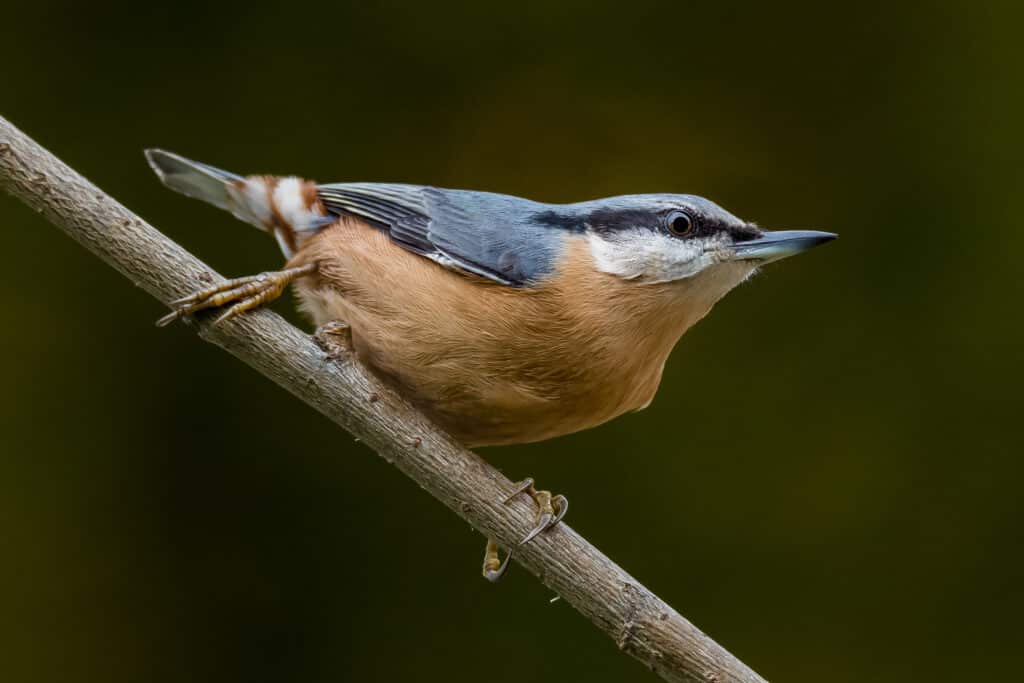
{"type": "Point", "coordinates": [494, 568]}
{"type": "Point", "coordinates": [521, 487]}
{"type": "Point", "coordinates": [244, 293]}
{"type": "Point", "coordinates": [553, 508]}
{"type": "Point", "coordinates": [550, 511]}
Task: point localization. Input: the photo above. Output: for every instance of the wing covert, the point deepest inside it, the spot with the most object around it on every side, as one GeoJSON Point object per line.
{"type": "Point", "coordinates": [491, 235]}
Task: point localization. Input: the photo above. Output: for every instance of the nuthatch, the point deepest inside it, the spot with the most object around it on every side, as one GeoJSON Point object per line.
{"type": "Point", "coordinates": [504, 319]}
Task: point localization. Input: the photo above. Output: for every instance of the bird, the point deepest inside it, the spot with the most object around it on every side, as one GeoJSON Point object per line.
{"type": "Point", "coordinates": [505, 320]}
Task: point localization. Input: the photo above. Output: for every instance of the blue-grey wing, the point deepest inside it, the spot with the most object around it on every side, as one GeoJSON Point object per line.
{"type": "Point", "coordinates": [496, 236]}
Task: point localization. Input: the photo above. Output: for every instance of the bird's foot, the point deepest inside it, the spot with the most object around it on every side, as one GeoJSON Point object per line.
{"type": "Point", "coordinates": [493, 566]}
{"type": "Point", "coordinates": [550, 511]}
{"type": "Point", "coordinates": [244, 293]}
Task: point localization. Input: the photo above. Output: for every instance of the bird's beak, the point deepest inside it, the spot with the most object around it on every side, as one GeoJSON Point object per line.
{"type": "Point", "coordinates": [778, 244]}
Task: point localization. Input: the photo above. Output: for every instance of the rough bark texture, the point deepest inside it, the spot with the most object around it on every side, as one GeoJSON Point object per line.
{"type": "Point", "coordinates": [322, 375]}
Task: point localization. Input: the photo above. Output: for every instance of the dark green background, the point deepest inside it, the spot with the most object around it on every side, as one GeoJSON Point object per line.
{"type": "Point", "coordinates": [829, 482]}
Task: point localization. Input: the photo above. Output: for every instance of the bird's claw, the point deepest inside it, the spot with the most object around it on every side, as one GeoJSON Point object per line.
{"type": "Point", "coordinates": [550, 511]}
{"type": "Point", "coordinates": [521, 487]}
{"type": "Point", "coordinates": [244, 293]}
{"type": "Point", "coordinates": [494, 568]}
{"type": "Point", "coordinates": [553, 508]}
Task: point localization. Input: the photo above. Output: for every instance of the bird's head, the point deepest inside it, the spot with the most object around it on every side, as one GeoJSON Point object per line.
{"type": "Point", "coordinates": [663, 238]}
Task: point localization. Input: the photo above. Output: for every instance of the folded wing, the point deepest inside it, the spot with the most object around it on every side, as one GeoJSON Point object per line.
{"type": "Point", "coordinates": [495, 236]}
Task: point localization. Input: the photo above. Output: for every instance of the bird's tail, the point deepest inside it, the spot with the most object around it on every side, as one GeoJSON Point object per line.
{"type": "Point", "coordinates": [286, 207]}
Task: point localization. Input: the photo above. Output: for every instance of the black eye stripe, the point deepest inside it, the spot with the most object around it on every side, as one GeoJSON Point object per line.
{"type": "Point", "coordinates": [608, 221]}
{"type": "Point", "coordinates": [746, 232]}
{"type": "Point", "coordinates": [615, 220]}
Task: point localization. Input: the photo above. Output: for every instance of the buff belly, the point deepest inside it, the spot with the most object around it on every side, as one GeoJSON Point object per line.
{"type": "Point", "coordinates": [494, 364]}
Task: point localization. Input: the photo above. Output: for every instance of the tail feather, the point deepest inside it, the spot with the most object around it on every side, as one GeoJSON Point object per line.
{"type": "Point", "coordinates": [287, 207]}
{"type": "Point", "coordinates": [192, 178]}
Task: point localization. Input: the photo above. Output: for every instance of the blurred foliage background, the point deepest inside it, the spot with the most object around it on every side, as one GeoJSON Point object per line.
{"type": "Point", "coordinates": [828, 482]}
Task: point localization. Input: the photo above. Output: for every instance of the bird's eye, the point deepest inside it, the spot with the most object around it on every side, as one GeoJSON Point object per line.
{"type": "Point", "coordinates": [680, 224]}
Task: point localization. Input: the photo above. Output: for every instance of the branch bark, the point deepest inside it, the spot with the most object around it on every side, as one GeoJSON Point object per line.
{"type": "Point", "coordinates": [639, 622]}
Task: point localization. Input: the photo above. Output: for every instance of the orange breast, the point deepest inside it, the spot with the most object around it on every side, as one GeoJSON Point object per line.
{"type": "Point", "coordinates": [494, 364]}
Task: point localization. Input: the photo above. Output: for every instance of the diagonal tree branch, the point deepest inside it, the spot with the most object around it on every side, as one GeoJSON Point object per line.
{"type": "Point", "coordinates": [323, 376]}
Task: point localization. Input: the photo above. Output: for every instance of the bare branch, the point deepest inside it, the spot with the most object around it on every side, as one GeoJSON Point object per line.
{"type": "Point", "coordinates": [323, 376]}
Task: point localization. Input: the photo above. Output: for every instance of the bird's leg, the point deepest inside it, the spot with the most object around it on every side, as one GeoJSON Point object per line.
{"type": "Point", "coordinates": [244, 293]}
{"type": "Point", "coordinates": [550, 511]}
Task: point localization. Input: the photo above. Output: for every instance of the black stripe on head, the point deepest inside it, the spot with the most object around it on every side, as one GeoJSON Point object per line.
{"type": "Point", "coordinates": [742, 233]}
{"type": "Point", "coordinates": [565, 221]}
{"type": "Point", "coordinates": [608, 220]}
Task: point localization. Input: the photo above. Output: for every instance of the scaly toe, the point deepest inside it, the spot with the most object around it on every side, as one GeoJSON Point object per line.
{"type": "Point", "coordinates": [543, 522]}
{"type": "Point", "coordinates": [244, 293]}
{"type": "Point", "coordinates": [494, 568]}
{"type": "Point", "coordinates": [520, 487]}
{"type": "Point", "coordinates": [168, 319]}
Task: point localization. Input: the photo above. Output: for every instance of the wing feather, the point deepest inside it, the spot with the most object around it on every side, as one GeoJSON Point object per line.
{"type": "Point", "coordinates": [491, 235]}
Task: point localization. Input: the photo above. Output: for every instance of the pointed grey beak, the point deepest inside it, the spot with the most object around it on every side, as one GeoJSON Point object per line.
{"type": "Point", "coordinates": [778, 244]}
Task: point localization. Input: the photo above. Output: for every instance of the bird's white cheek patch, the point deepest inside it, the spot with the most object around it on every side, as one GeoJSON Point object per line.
{"type": "Point", "coordinates": [651, 257]}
